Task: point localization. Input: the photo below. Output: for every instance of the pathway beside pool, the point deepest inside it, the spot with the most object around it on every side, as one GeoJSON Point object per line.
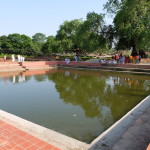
{"type": "Point", "coordinates": [12, 138]}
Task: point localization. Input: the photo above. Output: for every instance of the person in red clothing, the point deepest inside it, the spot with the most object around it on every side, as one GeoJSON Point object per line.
{"type": "Point", "coordinates": [127, 59]}
{"type": "Point", "coordinates": [117, 58]}
{"type": "Point", "coordinates": [137, 59]}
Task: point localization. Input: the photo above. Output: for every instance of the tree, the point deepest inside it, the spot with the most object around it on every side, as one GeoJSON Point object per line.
{"type": "Point", "coordinates": [2, 43]}
{"type": "Point", "coordinates": [91, 35]}
{"type": "Point", "coordinates": [112, 6]}
{"type": "Point", "coordinates": [17, 44]}
{"type": "Point", "coordinates": [27, 46]}
{"type": "Point", "coordinates": [131, 22]}
{"type": "Point", "coordinates": [50, 46]}
{"type": "Point", "coordinates": [39, 39]}
{"type": "Point", "coordinates": [67, 33]}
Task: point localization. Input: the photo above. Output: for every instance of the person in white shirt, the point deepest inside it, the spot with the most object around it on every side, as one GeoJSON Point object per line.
{"type": "Point", "coordinates": [18, 58]}
{"type": "Point", "coordinates": [13, 58]}
{"type": "Point", "coordinates": [23, 59]}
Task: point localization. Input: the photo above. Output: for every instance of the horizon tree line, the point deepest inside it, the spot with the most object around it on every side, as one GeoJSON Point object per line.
{"type": "Point", "coordinates": [130, 30]}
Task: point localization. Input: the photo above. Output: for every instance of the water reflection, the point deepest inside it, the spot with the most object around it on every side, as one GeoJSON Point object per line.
{"type": "Point", "coordinates": [80, 104]}
{"type": "Point", "coordinates": [14, 79]}
{"type": "Point", "coordinates": [24, 76]}
{"type": "Point", "coordinates": [89, 91]}
{"type": "Point", "coordinates": [93, 92]}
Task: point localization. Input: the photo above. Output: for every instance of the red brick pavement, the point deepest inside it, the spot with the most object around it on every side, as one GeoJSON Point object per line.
{"type": "Point", "coordinates": [12, 138]}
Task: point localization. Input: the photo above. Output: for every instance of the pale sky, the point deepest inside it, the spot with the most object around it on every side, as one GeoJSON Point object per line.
{"type": "Point", "coordinates": [43, 16]}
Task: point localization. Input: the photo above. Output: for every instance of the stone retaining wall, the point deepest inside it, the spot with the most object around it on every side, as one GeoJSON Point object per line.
{"type": "Point", "coordinates": [60, 63]}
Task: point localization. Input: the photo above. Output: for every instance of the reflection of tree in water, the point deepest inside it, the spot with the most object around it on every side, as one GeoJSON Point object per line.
{"type": "Point", "coordinates": [80, 90]}
{"type": "Point", "coordinates": [86, 92]}
{"type": "Point", "coordinates": [40, 78]}
{"type": "Point", "coordinates": [126, 93]}
{"type": "Point", "coordinates": [94, 93]}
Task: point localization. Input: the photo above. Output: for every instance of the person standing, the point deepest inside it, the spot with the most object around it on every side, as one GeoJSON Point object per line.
{"type": "Point", "coordinates": [18, 58]}
{"type": "Point", "coordinates": [131, 58]}
{"type": "Point", "coordinates": [117, 58]}
{"type": "Point", "coordinates": [75, 58]}
{"type": "Point", "coordinates": [13, 58]}
{"type": "Point", "coordinates": [4, 58]}
{"type": "Point", "coordinates": [23, 59]}
{"type": "Point", "coordinates": [67, 60]}
{"type": "Point", "coordinates": [137, 59]}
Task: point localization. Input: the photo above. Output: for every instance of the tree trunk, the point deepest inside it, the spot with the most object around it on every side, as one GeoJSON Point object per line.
{"type": "Point", "coordinates": [134, 50]}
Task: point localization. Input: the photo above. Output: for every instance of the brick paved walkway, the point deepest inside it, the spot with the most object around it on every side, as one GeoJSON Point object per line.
{"type": "Point", "coordinates": [12, 138]}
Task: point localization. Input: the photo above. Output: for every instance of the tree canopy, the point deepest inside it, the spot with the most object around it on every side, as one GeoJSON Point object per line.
{"type": "Point", "coordinates": [131, 22]}
{"type": "Point", "coordinates": [17, 44]}
{"type": "Point", "coordinates": [93, 34]}
{"type": "Point", "coordinates": [131, 29]}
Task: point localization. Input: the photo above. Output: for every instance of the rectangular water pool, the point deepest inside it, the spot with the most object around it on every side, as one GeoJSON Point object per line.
{"type": "Point", "coordinates": [78, 103]}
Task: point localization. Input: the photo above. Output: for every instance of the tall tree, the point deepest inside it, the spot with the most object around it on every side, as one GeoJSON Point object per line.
{"type": "Point", "coordinates": [112, 6]}
{"type": "Point", "coordinates": [27, 46]}
{"type": "Point", "coordinates": [17, 44]}
{"type": "Point", "coordinates": [39, 39]}
{"type": "Point", "coordinates": [91, 34]}
{"type": "Point", "coordinates": [50, 46]}
{"type": "Point", "coordinates": [2, 44]}
{"type": "Point", "coordinates": [66, 34]}
{"type": "Point", "coordinates": [131, 22]}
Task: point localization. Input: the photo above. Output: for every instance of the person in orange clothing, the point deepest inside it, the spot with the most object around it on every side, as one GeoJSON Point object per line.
{"type": "Point", "coordinates": [130, 58]}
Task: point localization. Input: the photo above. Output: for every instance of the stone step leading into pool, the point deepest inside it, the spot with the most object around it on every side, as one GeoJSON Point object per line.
{"type": "Point", "coordinates": [9, 66]}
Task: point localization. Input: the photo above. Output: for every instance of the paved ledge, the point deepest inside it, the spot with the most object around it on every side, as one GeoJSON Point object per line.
{"type": "Point", "coordinates": [108, 69]}
{"type": "Point", "coordinates": [129, 133]}
{"type": "Point", "coordinates": [12, 138]}
{"type": "Point", "coordinates": [51, 137]}
{"type": "Point", "coordinates": [129, 68]}
{"type": "Point", "coordinates": [137, 135]}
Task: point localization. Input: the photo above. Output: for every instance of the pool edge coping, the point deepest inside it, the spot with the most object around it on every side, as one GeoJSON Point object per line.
{"type": "Point", "coordinates": [110, 137]}
{"type": "Point", "coordinates": [51, 137]}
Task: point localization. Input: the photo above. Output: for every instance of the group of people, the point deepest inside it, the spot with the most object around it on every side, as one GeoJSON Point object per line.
{"type": "Point", "coordinates": [127, 59]}
{"type": "Point", "coordinates": [19, 58]}
{"type": "Point", "coordinates": [76, 59]}
{"type": "Point", "coordinates": [122, 59]}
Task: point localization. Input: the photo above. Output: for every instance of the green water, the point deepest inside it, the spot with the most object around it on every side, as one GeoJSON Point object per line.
{"type": "Point", "coordinates": [78, 103]}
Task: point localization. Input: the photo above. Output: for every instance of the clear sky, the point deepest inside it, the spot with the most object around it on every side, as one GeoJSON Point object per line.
{"type": "Point", "coordinates": [43, 16]}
